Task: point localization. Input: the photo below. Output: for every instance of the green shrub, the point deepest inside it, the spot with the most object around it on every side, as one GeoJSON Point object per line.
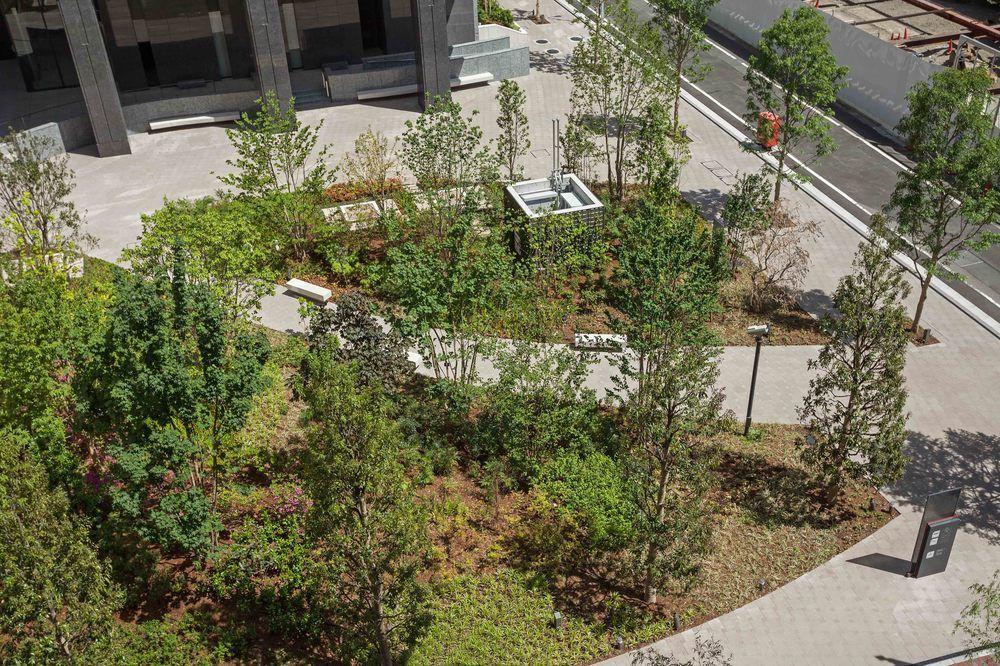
{"type": "Point", "coordinates": [528, 423]}
{"type": "Point", "coordinates": [491, 12]}
{"type": "Point", "coordinates": [268, 568]}
{"type": "Point", "coordinates": [165, 643]}
{"type": "Point", "coordinates": [500, 619]}
{"type": "Point", "coordinates": [594, 492]}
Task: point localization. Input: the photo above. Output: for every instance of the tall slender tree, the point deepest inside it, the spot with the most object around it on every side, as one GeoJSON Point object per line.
{"type": "Point", "coordinates": [279, 168]}
{"type": "Point", "coordinates": [513, 141]}
{"type": "Point", "coordinates": [950, 201]}
{"type": "Point", "coordinates": [795, 77]}
{"type": "Point", "coordinates": [682, 23]}
{"type": "Point", "coordinates": [365, 515]}
{"type": "Point", "coordinates": [854, 410]}
{"type": "Point", "coordinates": [667, 285]}
{"type": "Point", "coordinates": [613, 82]}
{"type": "Point", "coordinates": [36, 182]}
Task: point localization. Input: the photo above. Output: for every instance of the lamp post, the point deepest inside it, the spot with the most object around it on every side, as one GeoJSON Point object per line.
{"type": "Point", "coordinates": [759, 332]}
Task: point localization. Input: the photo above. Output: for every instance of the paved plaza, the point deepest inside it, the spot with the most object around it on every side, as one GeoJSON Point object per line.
{"type": "Point", "coordinates": [857, 608]}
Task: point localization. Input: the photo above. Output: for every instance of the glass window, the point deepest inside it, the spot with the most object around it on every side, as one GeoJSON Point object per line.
{"type": "Point", "coordinates": [165, 42]}
{"type": "Point", "coordinates": [36, 35]}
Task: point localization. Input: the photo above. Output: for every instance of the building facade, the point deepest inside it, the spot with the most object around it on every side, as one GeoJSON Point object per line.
{"type": "Point", "coordinates": [111, 63]}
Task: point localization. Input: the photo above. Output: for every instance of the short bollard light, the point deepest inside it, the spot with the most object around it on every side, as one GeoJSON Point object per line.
{"type": "Point", "coordinates": [557, 619]}
{"type": "Point", "coordinates": [677, 621]}
{"type": "Point", "coordinates": [763, 585]}
{"type": "Point", "coordinates": [759, 332]}
{"type": "Point", "coordinates": [619, 643]}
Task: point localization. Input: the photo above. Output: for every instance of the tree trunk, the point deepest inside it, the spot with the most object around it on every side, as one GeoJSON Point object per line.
{"type": "Point", "coordinates": [654, 551]}
{"type": "Point", "coordinates": [780, 177]}
{"type": "Point", "coordinates": [924, 284]}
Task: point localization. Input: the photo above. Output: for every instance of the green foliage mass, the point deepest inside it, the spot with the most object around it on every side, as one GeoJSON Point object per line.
{"type": "Point", "coordinates": [56, 595]}
{"type": "Point", "coordinates": [167, 385]}
{"type": "Point", "coordinates": [230, 249]}
{"type": "Point", "coordinates": [596, 497]}
{"type": "Point", "coordinates": [501, 619]}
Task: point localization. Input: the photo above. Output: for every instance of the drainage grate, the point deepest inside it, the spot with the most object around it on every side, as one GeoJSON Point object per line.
{"type": "Point", "coordinates": [541, 41]}
{"type": "Point", "coordinates": [576, 38]}
{"type": "Point", "coordinates": [552, 51]}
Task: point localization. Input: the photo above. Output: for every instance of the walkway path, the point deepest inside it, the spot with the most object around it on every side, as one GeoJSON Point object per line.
{"type": "Point", "coordinates": [841, 613]}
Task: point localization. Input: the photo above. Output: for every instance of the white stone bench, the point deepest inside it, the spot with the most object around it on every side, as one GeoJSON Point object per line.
{"type": "Point", "coordinates": [602, 341]}
{"type": "Point", "coordinates": [411, 88]}
{"type": "Point", "coordinates": [190, 121]}
{"type": "Point", "coordinates": [309, 290]}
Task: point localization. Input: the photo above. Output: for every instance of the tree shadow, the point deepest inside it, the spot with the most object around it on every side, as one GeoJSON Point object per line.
{"type": "Point", "coordinates": [775, 494]}
{"type": "Point", "coordinates": [882, 562]}
{"type": "Point", "coordinates": [816, 302]}
{"type": "Point", "coordinates": [541, 61]}
{"type": "Point", "coordinates": [709, 203]}
{"type": "Point", "coordinates": [963, 458]}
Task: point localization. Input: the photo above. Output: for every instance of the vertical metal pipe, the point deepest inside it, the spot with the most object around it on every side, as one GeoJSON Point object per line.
{"type": "Point", "coordinates": [753, 385]}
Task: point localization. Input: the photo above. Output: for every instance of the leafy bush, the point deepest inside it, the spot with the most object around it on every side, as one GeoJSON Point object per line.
{"type": "Point", "coordinates": [501, 619]}
{"type": "Point", "coordinates": [164, 643]}
{"type": "Point", "coordinates": [595, 494]}
{"type": "Point", "coordinates": [490, 12]}
{"type": "Point", "coordinates": [268, 567]}
{"type": "Point", "coordinates": [537, 409]}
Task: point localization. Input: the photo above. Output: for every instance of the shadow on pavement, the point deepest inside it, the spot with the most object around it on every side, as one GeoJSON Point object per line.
{"type": "Point", "coordinates": [963, 458]}
{"type": "Point", "coordinates": [887, 563]}
{"type": "Point", "coordinates": [709, 201]}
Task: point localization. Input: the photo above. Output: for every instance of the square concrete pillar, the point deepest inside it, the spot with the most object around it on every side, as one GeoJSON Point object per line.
{"type": "Point", "coordinates": [97, 81]}
{"type": "Point", "coordinates": [269, 48]}
{"type": "Point", "coordinates": [430, 18]}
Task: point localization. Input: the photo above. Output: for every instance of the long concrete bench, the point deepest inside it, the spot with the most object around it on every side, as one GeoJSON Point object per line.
{"type": "Point", "coordinates": [411, 88]}
{"type": "Point", "coordinates": [602, 341]}
{"type": "Point", "coordinates": [190, 121]}
{"type": "Point", "coordinates": [309, 290]}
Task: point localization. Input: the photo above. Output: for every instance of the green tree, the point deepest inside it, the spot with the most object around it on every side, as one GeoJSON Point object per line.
{"type": "Point", "coordinates": [229, 250]}
{"type": "Point", "coordinates": [279, 169]}
{"type": "Point", "coordinates": [168, 384]}
{"type": "Point", "coordinates": [369, 525]}
{"type": "Point", "coordinates": [659, 154]}
{"type": "Point", "coordinates": [513, 141]}
{"type": "Point", "coordinates": [682, 24]}
{"type": "Point", "coordinates": [613, 82]}
{"type": "Point", "coordinates": [795, 76]}
{"type": "Point", "coordinates": [45, 320]}
{"type": "Point", "coordinates": [949, 202]}
{"type": "Point", "coordinates": [980, 620]}
{"type": "Point", "coordinates": [444, 151]}
{"type": "Point", "coordinates": [56, 596]}
{"type": "Point", "coordinates": [745, 213]}
{"type": "Point", "coordinates": [854, 407]}
{"type": "Point", "coordinates": [373, 165]}
{"type": "Point", "coordinates": [35, 187]}
{"type": "Point", "coordinates": [667, 285]}
{"type": "Point", "coordinates": [451, 290]}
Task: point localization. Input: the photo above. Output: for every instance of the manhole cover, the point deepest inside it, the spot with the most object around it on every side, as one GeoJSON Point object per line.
{"type": "Point", "coordinates": [552, 51]}
{"type": "Point", "coordinates": [541, 41]}
{"type": "Point", "coordinates": [576, 38]}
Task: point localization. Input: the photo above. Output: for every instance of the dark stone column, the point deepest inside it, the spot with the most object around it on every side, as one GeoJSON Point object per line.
{"type": "Point", "coordinates": [97, 82]}
{"type": "Point", "coordinates": [430, 17]}
{"type": "Point", "coordinates": [269, 47]}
